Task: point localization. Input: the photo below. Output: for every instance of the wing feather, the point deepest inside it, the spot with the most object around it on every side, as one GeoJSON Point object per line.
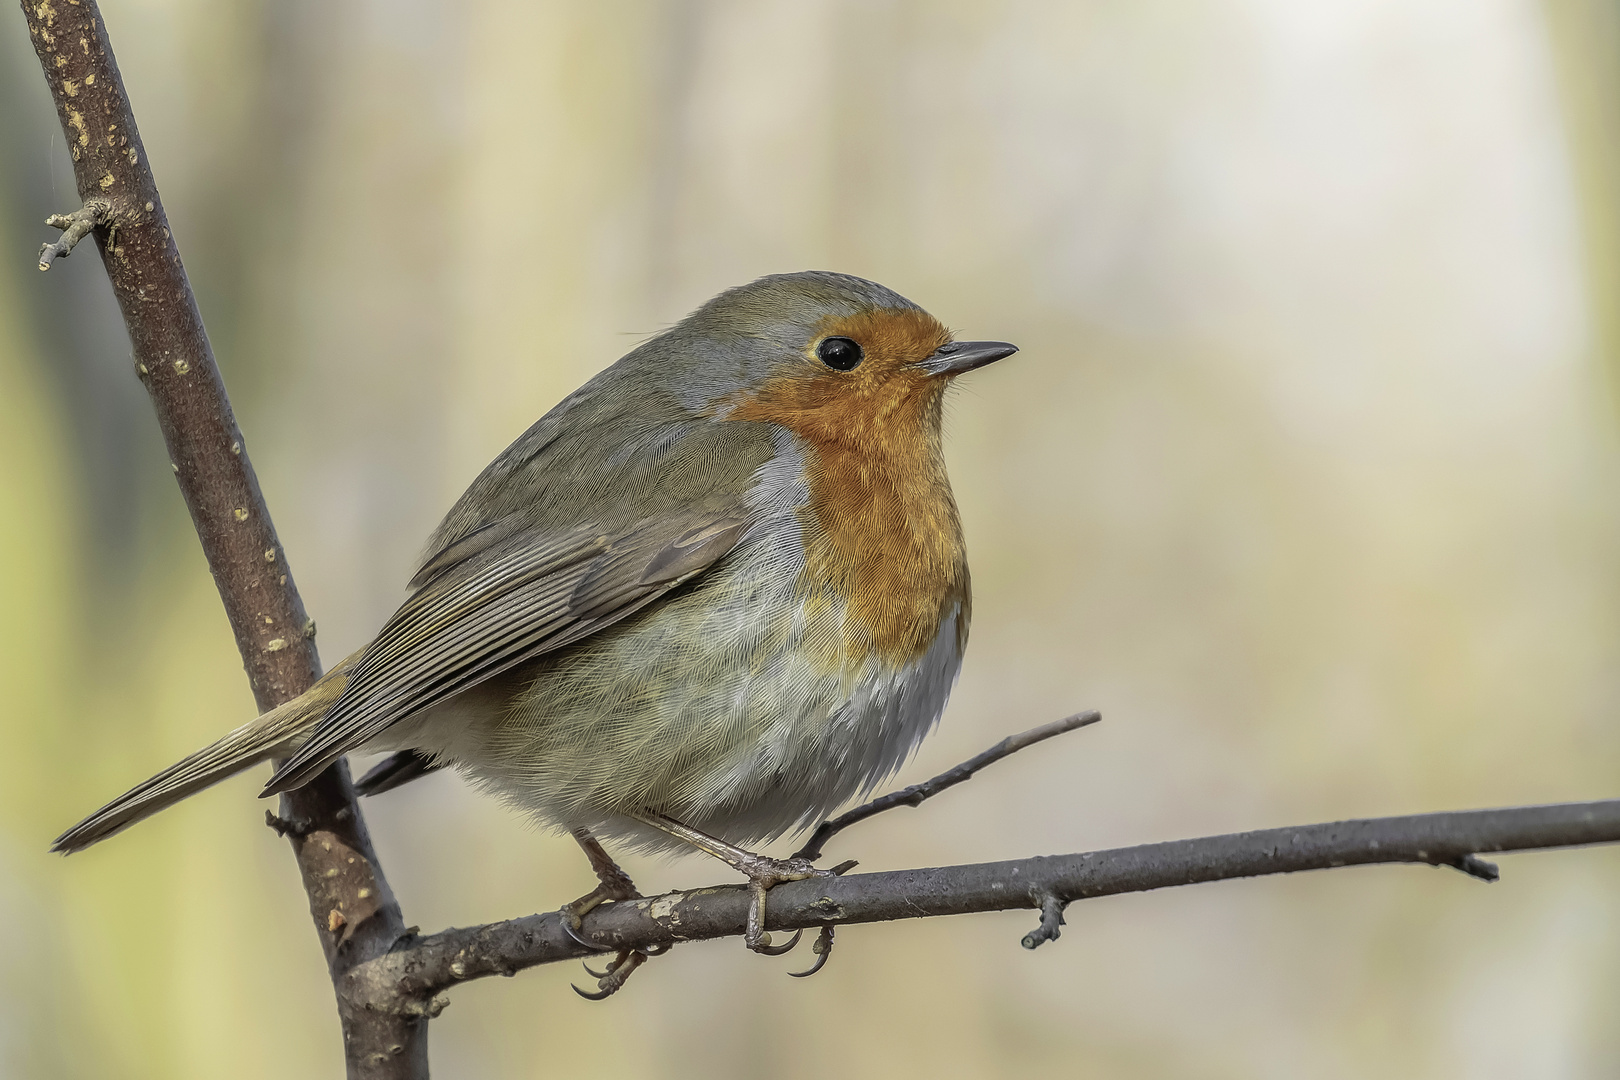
{"type": "Point", "coordinates": [495, 605]}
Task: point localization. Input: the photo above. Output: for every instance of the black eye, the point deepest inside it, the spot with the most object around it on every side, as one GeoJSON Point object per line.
{"type": "Point", "coordinates": [840, 353]}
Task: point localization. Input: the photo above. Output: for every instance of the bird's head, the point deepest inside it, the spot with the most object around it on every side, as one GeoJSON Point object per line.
{"type": "Point", "coordinates": [834, 358]}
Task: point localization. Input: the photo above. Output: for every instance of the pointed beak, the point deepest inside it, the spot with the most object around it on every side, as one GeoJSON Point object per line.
{"type": "Point", "coordinates": [960, 356]}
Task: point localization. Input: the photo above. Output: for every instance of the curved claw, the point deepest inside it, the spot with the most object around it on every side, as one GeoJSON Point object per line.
{"type": "Point", "coordinates": [610, 981]}
{"type": "Point", "coordinates": [821, 962]}
{"type": "Point", "coordinates": [779, 950]}
{"type": "Point", "coordinates": [822, 947]}
{"type": "Point", "coordinates": [571, 931]}
{"type": "Point", "coordinates": [618, 962]}
{"type": "Point", "coordinates": [597, 996]}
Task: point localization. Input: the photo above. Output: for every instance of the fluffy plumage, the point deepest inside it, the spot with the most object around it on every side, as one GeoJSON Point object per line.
{"type": "Point", "coordinates": [722, 581]}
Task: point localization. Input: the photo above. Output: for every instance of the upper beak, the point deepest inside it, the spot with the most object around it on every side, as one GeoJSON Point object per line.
{"type": "Point", "coordinates": [959, 356]}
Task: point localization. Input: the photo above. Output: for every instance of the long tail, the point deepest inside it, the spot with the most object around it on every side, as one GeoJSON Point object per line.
{"type": "Point", "coordinates": [266, 736]}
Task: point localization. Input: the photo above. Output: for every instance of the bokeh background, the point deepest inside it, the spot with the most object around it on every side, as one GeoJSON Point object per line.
{"type": "Point", "coordinates": [1307, 477]}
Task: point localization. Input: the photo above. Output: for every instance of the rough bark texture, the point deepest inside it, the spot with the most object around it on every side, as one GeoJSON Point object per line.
{"type": "Point", "coordinates": [355, 914]}
{"type": "Point", "coordinates": [411, 978]}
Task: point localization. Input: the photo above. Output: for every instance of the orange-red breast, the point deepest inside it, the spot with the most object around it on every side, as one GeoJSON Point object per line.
{"type": "Point", "coordinates": [716, 592]}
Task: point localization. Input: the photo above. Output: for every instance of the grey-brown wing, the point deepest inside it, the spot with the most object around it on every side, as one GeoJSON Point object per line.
{"type": "Point", "coordinates": [518, 599]}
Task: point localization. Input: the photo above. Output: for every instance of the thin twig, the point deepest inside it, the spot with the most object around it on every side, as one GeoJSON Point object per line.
{"type": "Point", "coordinates": [412, 977]}
{"type": "Point", "coordinates": [75, 227]}
{"type": "Point", "coordinates": [1476, 867]}
{"type": "Point", "coordinates": [916, 793]}
{"type": "Point", "coordinates": [1051, 927]}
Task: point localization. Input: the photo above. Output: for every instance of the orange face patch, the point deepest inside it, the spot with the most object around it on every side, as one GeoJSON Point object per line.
{"type": "Point", "coordinates": [893, 337]}
{"type": "Point", "coordinates": [879, 402]}
{"type": "Point", "coordinates": [881, 528]}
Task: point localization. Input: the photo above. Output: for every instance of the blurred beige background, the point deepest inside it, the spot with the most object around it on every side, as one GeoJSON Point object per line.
{"type": "Point", "coordinates": [1306, 476]}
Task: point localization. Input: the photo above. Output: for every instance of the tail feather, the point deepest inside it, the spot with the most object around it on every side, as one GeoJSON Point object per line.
{"type": "Point", "coordinates": [392, 772]}
{"type": "Point", "coordinates": [271, 734]}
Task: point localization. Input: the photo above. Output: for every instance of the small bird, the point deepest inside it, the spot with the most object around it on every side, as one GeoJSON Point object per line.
{"type": "Point", "coordinates": [714, 594]}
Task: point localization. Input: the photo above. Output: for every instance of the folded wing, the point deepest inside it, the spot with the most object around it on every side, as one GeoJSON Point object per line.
{"type": "Point", "coordinates": [507, 595]}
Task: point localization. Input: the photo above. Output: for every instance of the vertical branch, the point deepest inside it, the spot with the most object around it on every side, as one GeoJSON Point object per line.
{"type": "Point", "coordinates": [355, 913]}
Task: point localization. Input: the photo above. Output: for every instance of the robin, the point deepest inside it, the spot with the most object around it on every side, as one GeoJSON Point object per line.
{"type": "Point", "coordinates": [715, 593]}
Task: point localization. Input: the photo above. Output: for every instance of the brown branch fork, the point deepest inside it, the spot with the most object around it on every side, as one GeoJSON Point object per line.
{"type": "Point", "coordinates": [388, 980]}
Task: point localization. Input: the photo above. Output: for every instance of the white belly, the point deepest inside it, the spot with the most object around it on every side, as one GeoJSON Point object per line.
{"type": "Point", "coordinates": [709, 710]}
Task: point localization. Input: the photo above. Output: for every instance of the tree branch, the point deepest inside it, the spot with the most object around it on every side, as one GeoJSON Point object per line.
{"type": "Point", "coordinates": [916, 793]}
{"type": "Point", "coordinates": [354, 911]}
{"type": "Point", "coordinates": [411, 979]}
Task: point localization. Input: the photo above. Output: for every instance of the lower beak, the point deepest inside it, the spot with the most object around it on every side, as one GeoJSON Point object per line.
{"type": "Point", "coordinates": [959, 356]}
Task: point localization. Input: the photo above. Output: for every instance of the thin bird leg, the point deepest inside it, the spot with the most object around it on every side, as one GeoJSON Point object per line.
{"type": "Point", "coordinates": [762, 872]}
{"type": "Point", "coordinates": [613, 885]}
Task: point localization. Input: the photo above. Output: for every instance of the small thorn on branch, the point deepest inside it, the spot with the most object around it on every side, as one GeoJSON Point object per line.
{"type": "Point", "coordinates": [1051, 922]}
{"type": "Point", "coordinates": [1474, 866]}
{"type": "Point", "coordinates": [285, 827]}
{"type": "Point", "coordinates": [75, 227]}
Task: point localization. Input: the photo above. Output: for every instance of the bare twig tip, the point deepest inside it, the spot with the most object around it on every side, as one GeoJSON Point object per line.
{"type": "Point", "coordinates": [1051, 922]}
{"type": "Point", "coordinates": [1476, 867]}
{"type": "Point", "coordinates": [75, 227]}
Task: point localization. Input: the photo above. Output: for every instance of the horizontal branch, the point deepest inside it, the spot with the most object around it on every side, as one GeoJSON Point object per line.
{"type": "Point", "coordinates": [409, 979]}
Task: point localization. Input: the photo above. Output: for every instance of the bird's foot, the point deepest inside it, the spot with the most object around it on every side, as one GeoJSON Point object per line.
{"type": "Point", "coordinates": [613, 886]}
{"type": "Point", "coordinates": [573, 914]}
{"type": "Point", "coordinates": [617, 974]}
{"type": "Point", "coordinates": [762, 871]}
{"type": "Point", "coordinates": [765, 873]}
